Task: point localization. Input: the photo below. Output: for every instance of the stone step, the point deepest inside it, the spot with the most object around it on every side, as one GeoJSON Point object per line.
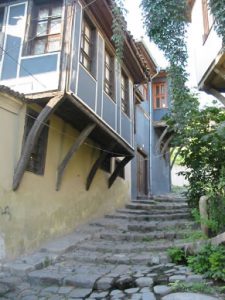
{"type": "Point", "coordinates": [159, 201]}
{"type": "Point", "coordinates": [142, 226]}
{"type": "Point", "coordinates": [169, 198]}
{"type": "Point", "coordinates": [114, 235]}
{"type": "Point", "coordinates": [152, 211]}
{"type": "Point", "coordinates": [150, 217]}
{"type": "Point", "coordinates": [131, 247]}
{"type": "Point", "coordinates": [143, 258]}
{"type": "Point", "coordinates": [156, 206]}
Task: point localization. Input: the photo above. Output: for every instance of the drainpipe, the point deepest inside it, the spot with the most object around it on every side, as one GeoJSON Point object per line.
{"type": "Point", "coordinates": [151, 126]}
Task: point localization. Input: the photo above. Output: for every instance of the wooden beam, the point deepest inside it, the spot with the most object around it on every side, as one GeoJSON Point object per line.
{"type": "Point", "coordinates": [79, 141]}
{"type": "Point", "coordinates": [119, 168]}
{"type": "Point", "coordinates": [175, 157]}
{"type": "Point", "coordinates": [166, 145]}
{"type": "Point", "coordinates": [97, 164]}
{"type": "Point", "coordinates": [220, 72]}
{"type": "Point", "coordinates": [217, 94]}
{"type": "Point", "coordinates": [158, 145]}
{"type": "Point", "coordinates": [33, 137]}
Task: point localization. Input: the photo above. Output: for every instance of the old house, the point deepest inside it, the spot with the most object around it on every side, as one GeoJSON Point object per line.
{"type": "Point", "coordinates": [209, 51]}
{"type": "Point", "coordinates": [67, 144]}
{"type": "Point", "coordinates": [151, 166]}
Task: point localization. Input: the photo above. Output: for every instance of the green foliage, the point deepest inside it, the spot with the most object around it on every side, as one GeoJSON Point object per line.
{"type": "Point", "coordinates": [194, 236]}
{"type": "Point", "coordinates": [118, 27]}
{"type": "Point", "coordinates": [209, 261]}
{"type": "Point", "coordinates": [166, 25]}
{"type": "Point", "coordinates": [195, 287]}
{"type": "Point", "coordinates": [217, 8]}
{"type": "Point", "coordinates": [177, 255]}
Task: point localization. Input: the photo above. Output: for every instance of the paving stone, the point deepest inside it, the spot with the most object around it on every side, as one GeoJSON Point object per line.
{"type": "Point", "coordinates": [144, 281]}
{"type": "Point", "coordinates": [146, 290]}
{"type": "Point", "coordinates": [162, 290]}
{"type": "Point", "coordinates": [104, 283]}
{"type": "Point", "coordinates": [188, 296]}
{"type": "Point", "coordinates": [99, 295]}
{"type": "Point", "coordinates": [82, 280]}
{"type": "Point", "coordinates": [131, 291]}
{"type": "Point", "coordinates": [3, 289]}
{"type": "Point", "coordinates": [79, 293]}
{"type": "Point", "coordinates": [124, 282]}
{"type": "Point", "coordinates": [177, 278]}
{"type": "Point", "coordinates": [149, 296]}
{"type": "Point", "coordinates": [46, 277]}
{"type": "Point", "coordinates": [136, 296]}
{"type": "Point", "coordinates": [31, 297]}
{"type": "Point", "coordinates": [64, 290]}
{"type": "Point", "coordinates": [194, 278]}
{"type": "Point", "coordinates": [116, 293]}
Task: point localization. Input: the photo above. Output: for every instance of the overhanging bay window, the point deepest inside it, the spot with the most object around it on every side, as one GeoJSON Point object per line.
{"type": "Point", "coordinates": [46, 27]}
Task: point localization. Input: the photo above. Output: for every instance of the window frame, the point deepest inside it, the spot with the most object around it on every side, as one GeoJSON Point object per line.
{"type": "Point", "coordinates": [207, 20]}
{"type": "Point", "coordinates": [40, 148]}
{"type": "Point", "coordinates": [109, 83]}
{"type": "Point", "coordinates": [46, 36]}
{"type": "Point", "coordinates": [125, 96]}
{"type": "Point", "coordinates": [161, 96]}
{"type": "Point", "coordinates": [90, 42]}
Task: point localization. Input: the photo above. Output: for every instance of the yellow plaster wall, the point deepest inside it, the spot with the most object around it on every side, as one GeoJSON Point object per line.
{"type": "Point", "coordinates": [37, 212]}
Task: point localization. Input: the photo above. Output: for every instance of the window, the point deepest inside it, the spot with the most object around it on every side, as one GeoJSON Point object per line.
{"type": "Point", "coordinates": [36, 162]}
{"type": "Point", "coordinates": [109, 74]}
{"type": "Point", "coordinates": [207, 19]}
{"type": "Point", "coordinates": [124, 94]}
{"type": "Point", "coordinates": [159, 95]}
{"type": "Point", "coordinates": [46, 27]}
{"type": "Point", "coordinates": [86, 55]}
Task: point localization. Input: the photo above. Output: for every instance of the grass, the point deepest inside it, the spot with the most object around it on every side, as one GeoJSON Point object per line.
{"type": "Point", "coordinates": [195, 287]}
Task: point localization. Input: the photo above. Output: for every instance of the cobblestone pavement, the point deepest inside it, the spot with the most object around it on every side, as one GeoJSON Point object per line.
{"type": "Point", "coordinates": [121, 256]}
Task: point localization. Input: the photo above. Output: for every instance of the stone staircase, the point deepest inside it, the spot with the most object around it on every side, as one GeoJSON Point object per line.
{"type": "Point", "coordinates": [109, 254]}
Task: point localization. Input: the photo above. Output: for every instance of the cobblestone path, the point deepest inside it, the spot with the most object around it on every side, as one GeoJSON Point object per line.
{"type": "Point", "coordinates": [121, 256]}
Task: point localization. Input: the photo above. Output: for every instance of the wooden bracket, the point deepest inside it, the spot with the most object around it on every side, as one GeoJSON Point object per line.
{"type": "Point", "coordinates": [116, 172]}
{"type": "Point", "coordinates": [97, 164]}
{"type": "Point", "coordinates": [33, 137]}
{"type": "Point", "coordinates": [158, 145]}
{"type": "Point", "coordinates": [79, 141]}
{"type": "Point", "coordinates": [166, 145]}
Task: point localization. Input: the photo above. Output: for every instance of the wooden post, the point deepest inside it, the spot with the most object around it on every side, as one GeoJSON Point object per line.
{"type": "Point", "coordinates": [96, 166]}
{"type": "Point", "coordinates": [80, 140]}
{"type": "Point", "coordinates": [33, 137]}
{"type": "Point", "coordinates": [119, 167]}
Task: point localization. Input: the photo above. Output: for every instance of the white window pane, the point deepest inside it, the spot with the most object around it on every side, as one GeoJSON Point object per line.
{"type": "Point", "coordinates": [42, 28]}
{"type": "Point", "coordinates": [87, 31]}
{"type": "Point", "coordinates": [39, 47]}
{"type": "Point", "coordinates": [55, 26]}
{"type": "Point", "coordinates": [57, 11]}
{"type": "Point", "coordinates": [86, 47]}
{"type": "Point", "coordinates": [54, 44]}
{"type": "Point", "coordinates": [86, 63]}
{"type": "Point", "coordinates": [107, 74]}
{"type": "Point", "coordinates": [43, 13]}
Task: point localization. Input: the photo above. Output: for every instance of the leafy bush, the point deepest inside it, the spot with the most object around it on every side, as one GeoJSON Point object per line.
{"type": "Point", "coordinates": [209, 261]}
{"type": "Point", "coordinates": [177, 255]}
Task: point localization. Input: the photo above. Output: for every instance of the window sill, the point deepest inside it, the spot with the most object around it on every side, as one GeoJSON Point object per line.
{"type": "Point", "coordinates": [41, 55]}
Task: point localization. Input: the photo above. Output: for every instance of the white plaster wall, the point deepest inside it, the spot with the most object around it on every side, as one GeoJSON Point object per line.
{"type": "Point", "coordinates": [204, 54]}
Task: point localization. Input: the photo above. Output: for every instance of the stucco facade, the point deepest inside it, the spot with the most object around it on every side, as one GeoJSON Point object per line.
{"type": "Point", "coordinates": [37, 212]}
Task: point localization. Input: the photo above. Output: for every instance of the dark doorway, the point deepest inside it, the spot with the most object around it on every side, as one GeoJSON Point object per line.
{"type": "Point", "coordinates": [142, 174]}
